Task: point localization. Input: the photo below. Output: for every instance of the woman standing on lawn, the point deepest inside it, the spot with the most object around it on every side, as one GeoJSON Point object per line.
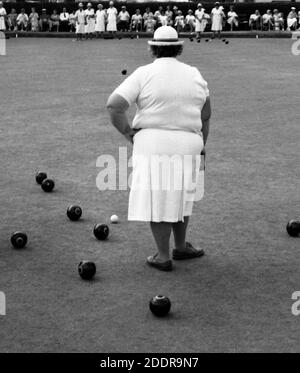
{"type": "Point", "coordinates": [112, 15]}
{"type": "Point", "coordinates": [100, 19]}
{"type": "Point", "coordinates": [217, 16]}
{"type": "Point", "coordinates": [171, 125]}
{"type": "Point", "coordinates": [2, 17]}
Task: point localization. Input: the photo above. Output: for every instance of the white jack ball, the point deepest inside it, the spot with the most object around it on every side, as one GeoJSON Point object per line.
{"type": "Point", "coordinates": [114, 219]}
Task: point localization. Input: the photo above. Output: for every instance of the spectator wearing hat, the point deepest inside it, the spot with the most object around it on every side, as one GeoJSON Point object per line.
{"type": "Point", "coordinates": [190, 21]}
{"type": "Point", "coordinates": [22, 20]}
{"type": "Point", "coordinates": [90, 21]}
{"type": "Point", "coordinates": [255, 21]}
{"type": "Point", "coordinates": [292, 20]}
{"type": "Point", "coordinates": [175, 11]}
{"type": "Point", "coordinates": [136, 21]}
{"type": "Point", "coordinates": [267, 20]}
{"type": "Point", "coordinates": [3, 17]}
{"type": "Point", "coordinates": [34, 20]}
{"type": "Point", "coordinates": [278, 20]}
{"type": "Point", "coordinates": [12, 20]}
{"type": "Point", "coordinates": [64, 18]}
{"type": "Point", "coordinates": [217, 16]}
{"type": "Point", "coordinates": [232, 18]}
{"type": "Point", "coordinates": [44, 21]}
{"type": "Point", "coordinates": [80, 22]}
{"type": "Point", "coordinates": [168, 133]}
{"type": "Point", "coordinates": [123, 19]}
{"type": "Point", "coordinates": [100, 20]}
{"type": "Point", "coordinates": [200, 21]}
{"type": "Point", "coordinates": [179, 21]}
{"type": "Point", "coordinates": [112, 15]}
{"type": "Point", "coordinates": [54, 21]}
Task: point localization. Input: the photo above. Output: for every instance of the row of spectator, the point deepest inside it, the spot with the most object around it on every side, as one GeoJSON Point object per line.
{"type": "Point", "coordinates": [111, 20]}
{"type": "Point", "coordinates": [275, 21]}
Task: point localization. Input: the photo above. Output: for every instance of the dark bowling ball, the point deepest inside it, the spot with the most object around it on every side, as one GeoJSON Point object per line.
{"type": "Point", "coordinates": [227, 42]}
{"type": "Point", "coordinates": [74, 212]}
{"type": "Point", "coordinates": [40, 177]}
{"type": "Point", "coordinates": [207, 40]}
{"type": "Point", "coordinates": [19, 240]}
{"type": "Point", "coordinates": [124, 72]}
{"type": "Point", "coordinates": [191, 39]}
{"type": "Point", "coordinates": [198, 40]}
{"type": "Point", "coordinates": [101, 231]}
{"type": "Point", "coordinates": [86, 270]}
{"type": "Point", "coordinates": [293, 228]}
{"type": "Point", "coordinates": [223, 40]}
{"type": "Point", "coordinates": [160, 305]}
{"type": "Point", "coordinates": [48, 185]}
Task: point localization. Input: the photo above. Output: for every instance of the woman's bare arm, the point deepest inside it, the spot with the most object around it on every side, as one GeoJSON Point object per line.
{"type": "Point", "coordinates": [117, 107]}
{"type": "Point", "coordinates": [205, 117]}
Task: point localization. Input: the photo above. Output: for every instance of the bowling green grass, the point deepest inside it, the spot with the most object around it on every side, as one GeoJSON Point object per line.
{"type": "Point", "coordinates": [237, 297]}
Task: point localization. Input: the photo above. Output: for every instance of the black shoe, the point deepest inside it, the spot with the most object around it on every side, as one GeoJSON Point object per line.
{"type": "Point", "coordinates": [166, 266]}
{"type": "Point", "coordinates": [189, 254]}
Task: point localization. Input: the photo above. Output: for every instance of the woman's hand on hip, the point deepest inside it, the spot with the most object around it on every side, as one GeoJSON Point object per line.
{"type": "Point", "coordinates": [130, 134]}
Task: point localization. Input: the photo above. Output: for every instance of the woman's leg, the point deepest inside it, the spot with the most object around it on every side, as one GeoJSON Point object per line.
{"type": "Point", "coordinates": [161, 233]}
{"type": "Point", "coordinates": [179, 231]}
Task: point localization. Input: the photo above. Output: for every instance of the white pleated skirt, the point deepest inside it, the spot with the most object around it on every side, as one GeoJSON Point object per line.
{"type": "Point", "coordinates": [166, 178]}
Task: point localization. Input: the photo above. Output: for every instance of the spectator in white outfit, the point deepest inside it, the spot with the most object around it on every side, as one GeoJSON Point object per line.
{"type": "Point", "coordinates": [124, 19]}
{"type": "Point", "coordinates": [255, 21]}
{"type": "Point", "coordinates": [232, 18]}
{"type": "Point", "coordinates": [190, 21]}
{"type": "Point", "coordinates": [3, 16]}
{"type": "Point", "coordinates": [217, 16]}
{"type": "Point", "coordinates": [22, 20]}
{"type": "Point", "coordinates": [100, 19]}
{"type": "Point", "coordinates": [179, 21]}
{"type": "Point", "coordinates": [112, 15]}
{"type": "Point", "coordinates": [80, 22]}
{"type": "Point", "coordinates": [200, 21]}
{"type": "Point", "coordinates": [136, 21]}
{"type": "Point", "coordinates": [292, 20]}
{"type": "Point", "coordinates": [278, 20]}
{"type": "Point", "coordinates": [90, 21]}
{"type": "Point", "coordinates": [267, 20]}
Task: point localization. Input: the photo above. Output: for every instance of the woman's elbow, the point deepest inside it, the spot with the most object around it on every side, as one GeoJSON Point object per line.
{"type": "Point", "coordinates": [115, 103]}
{"type": "Point", "coordinates": [109, 104]}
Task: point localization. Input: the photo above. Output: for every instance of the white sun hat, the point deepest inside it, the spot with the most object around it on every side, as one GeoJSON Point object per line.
{"type": "Point", "coordinates": [165, 35]}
